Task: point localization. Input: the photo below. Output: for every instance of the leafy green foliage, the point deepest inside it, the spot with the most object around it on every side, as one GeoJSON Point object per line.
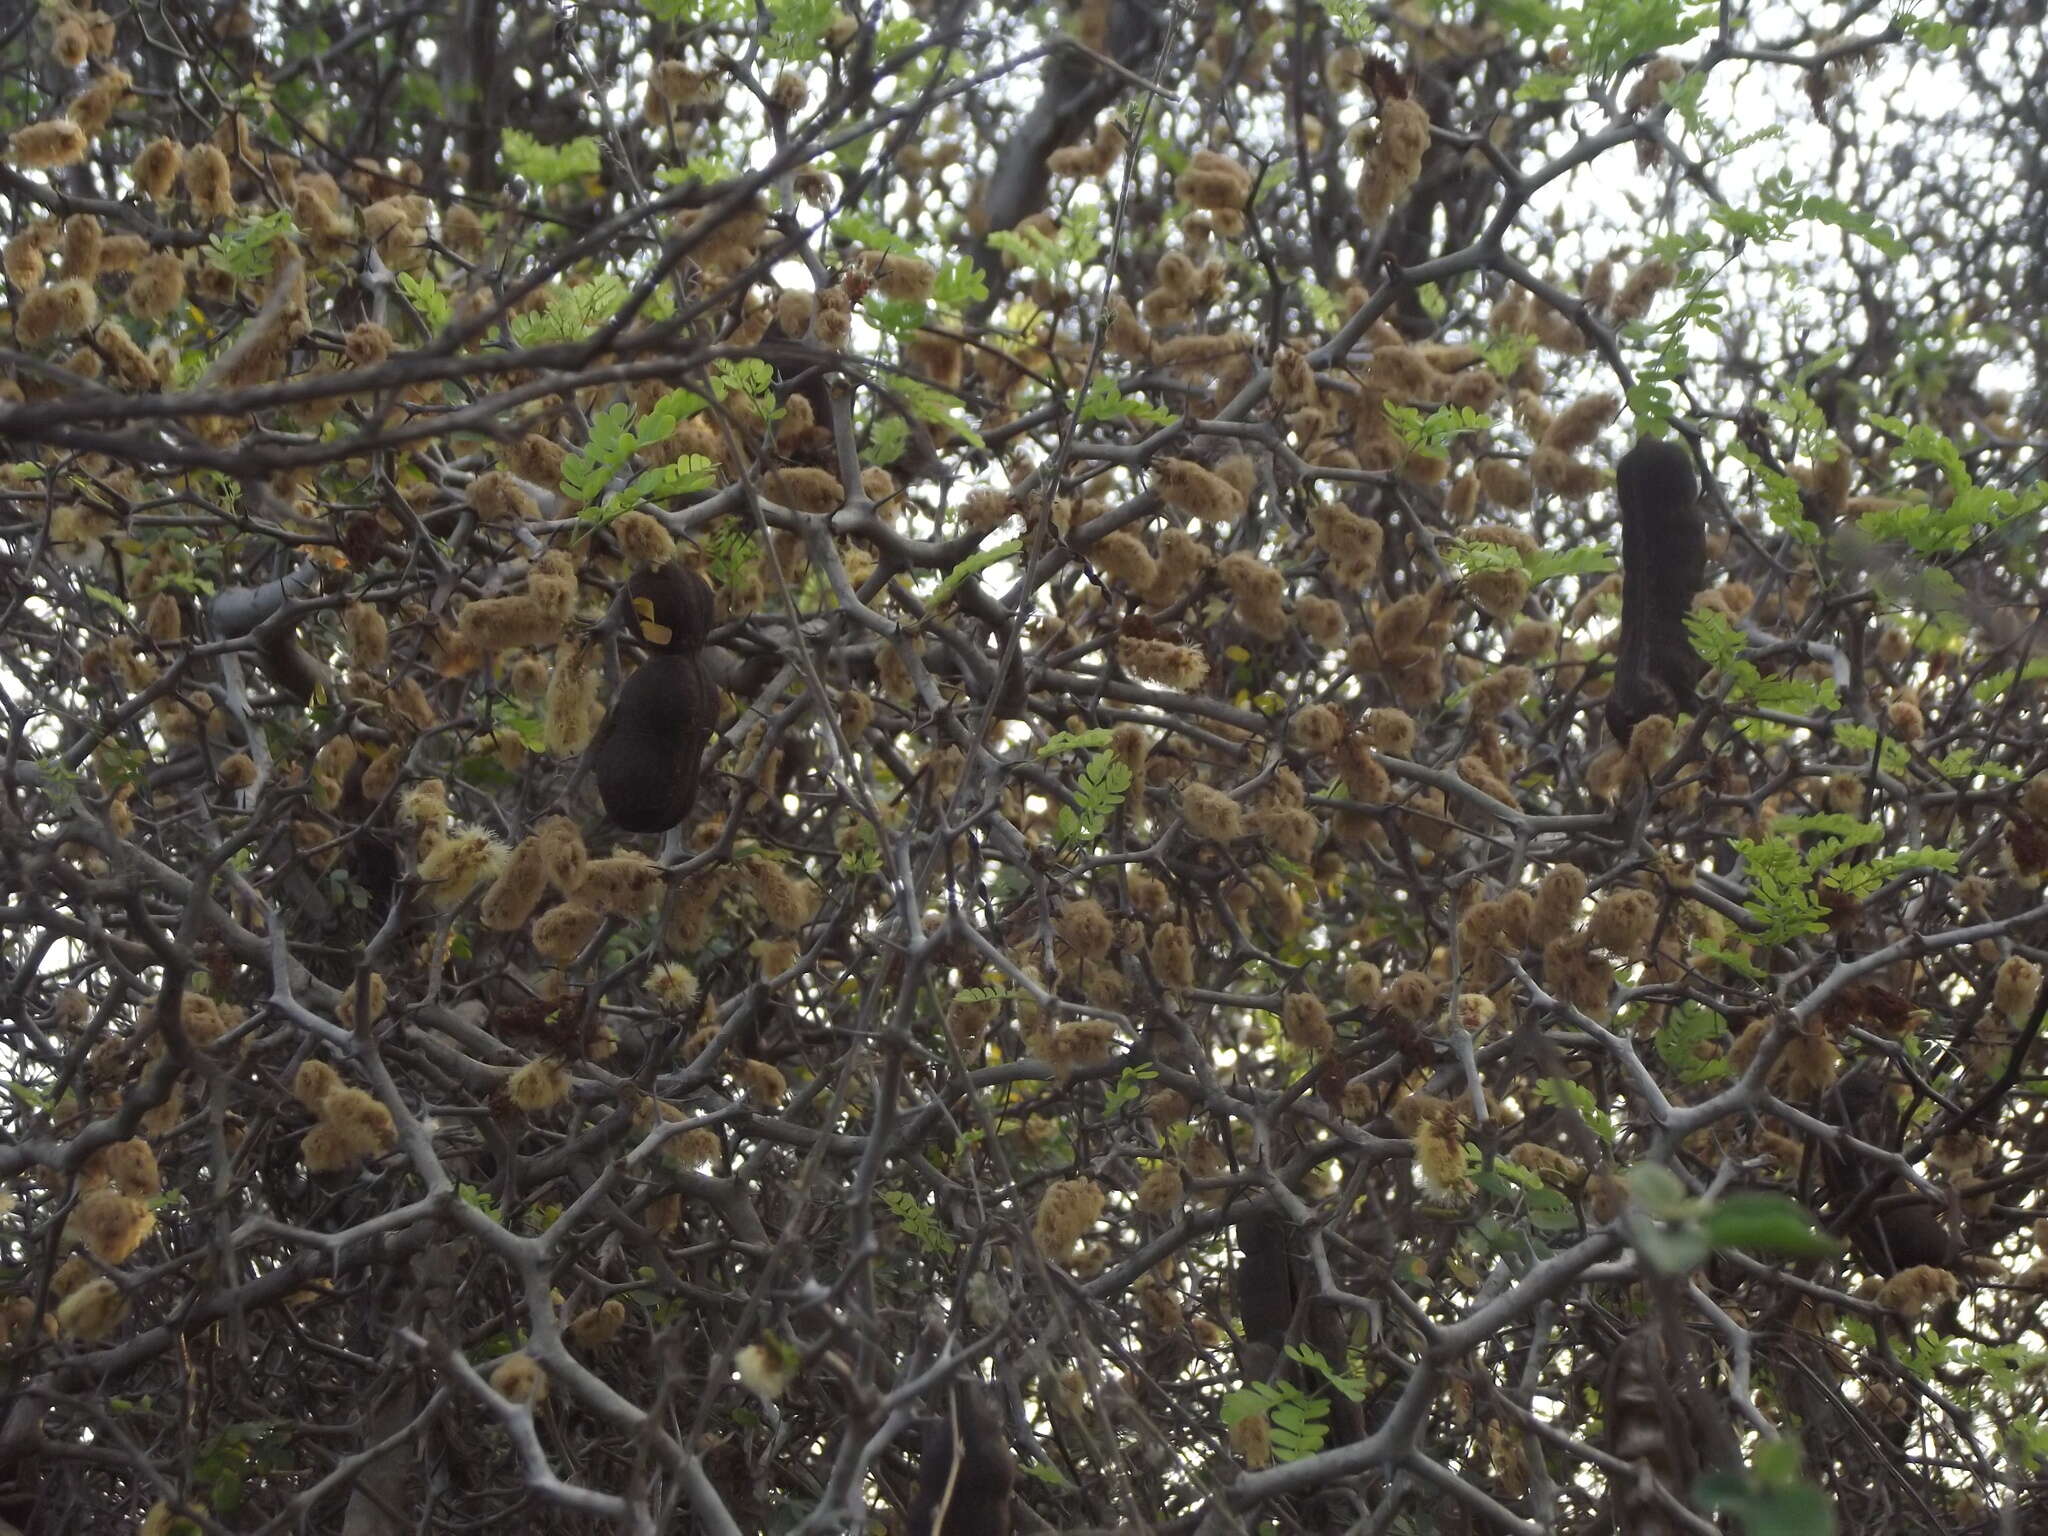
{"type": "Point", "coordinates": [1076, 741]}
{"type": "Point", "coordinates": [615, 436]}
{"type": "Point", "coordinates": [690, 13]}
{"type": "Point", "coordinates": [973, 565]}
{"type": "Point", "coordinates": [796, 28]}
{"type": "Point", "coordinates": [1773, 1497]}
{"type": "Point", "coordinates": [1971, 511]}
{"type": "Point", "coordinates": [1056, 257]}
{"type": "Point", "coordinates": [1766, 1224]}
{"type": "Point", "coordinates": [984, 994]}
{"type": "Point", "coordinates": [1684, 1043]}
{"type": "Point", "coordinates": [571, 313]}
{"type": "Point", "coordinates": [934, 406]}
{"type": "Point", "coordinates": [550, 165]}
{"type": "Point", "coordinates": [1106, 402]}
{"type": "Point", "coordinates": [1294, 1418]}
{"type": "Point", "coordinates": [860, 854]}
{"type": "Point", "coordinates": [1470, 555]}
{"type": "Point", "coordinates": [1721, 645]}
{"type": "Point", "coordinates": [887, 440]}
{"type": "Point", "coordinates": [1129, 1087]}
{"type": "Point", "coordinates": [1781, 897]}
{"type": "Point", "coordinates": [1781, 496]}
{"type": "Point", "coordinates": [1546, 1209]}
{"type": "Point", "coordinates": [1434, 433]}
{"type": "Point", "coordinates": [244, 249]}
{"type": "Point", "coordinates": [426, 297]}
{"type": "Point", "coordinates": [228, 1461]}
{"type": "Point", "coordinates": [1562, 1092]}
{"type": "Point", "coordinates": [871, 233]}
{"type": "Point", "coordinates": [1104, 784]}
{"type": "Point", "coordinates": [959, 283]}
{"type": "Point", "coordinates": [1783, 207]}
{"type": "Point", "coordinates": [920, 1224]}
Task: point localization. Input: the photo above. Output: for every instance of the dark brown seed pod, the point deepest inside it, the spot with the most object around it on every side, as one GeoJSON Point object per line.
{"type": "Point", "coordinates": [671, 608]}
{"type": "Point", "coordinates": [647, 752]}
{"type": "Point", "coordinates": [1663, 562]}
{"type": "Point", "coordinates": [966, 1469]}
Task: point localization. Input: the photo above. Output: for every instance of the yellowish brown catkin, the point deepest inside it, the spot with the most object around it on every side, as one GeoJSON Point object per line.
{"type": "Point", "coordinates": [1179, 667]}
{"type": "Point", "coordinates": [539, 1085]}
{"type": "Point", "coordinates": [1067, 1209]}
{"type": "Point", "coordinates": [1316, 729]}
{"type": "Point", "coordinates": [1306, 1022]}
{"type": "Point", "coordinates": [561, 933]}
{"type": "Point", "coordinates": [626, 885]}
{"type": "Point", "coordinates": [59, 310]}
{"type": "Point", "coordinates": [112, 1225]}
{"type": "Point", "coordinates": [804, 489]}
{"type": "Point", "coordinates": [48, 146]}
{"type": "Point", "coordinates": [456, 865]}
{"type": "Point", "coordinates": [157, 287]}
{"type": "Point", "coordinates": [517, 890]}
{"type": "Point", "coordinates": [92, 1311]}
{"type": "Point", "coordinates": [1200, 493]}
{"type": "Point", "coordinates": [1211, 814]}
{"type": "Point", "coordinates": [644, 539]}
{"type": "Point", "coordinates": [1642, 288]}
{"type": "Point", "coordinates": [520, 1378]}
{"type": "Point", "coordinates": [1623, 921]}
{"type": "Point", "coordinates": [1173, 957]}
{"type": "Point", "coordinates": [2018, 984]}
{"type": "Point", "coordinates": [154, 173]}
{"type": "Point", "coordinates": [1579, 424]}
{"type": "Point", "coordinates": [1395, 159]}
{"type": "Point", "coordinates": [498, 497]}
{"type": "Point", "coordinates": [571, 700]}
{"type": "Point", "coordinates": [209, 181]}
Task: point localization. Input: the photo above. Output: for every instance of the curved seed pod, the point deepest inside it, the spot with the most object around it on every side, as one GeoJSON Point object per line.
{"type": "Point", "coordinates": [1891, 1226]}
{"type": "Point", "coordinates": [965, 1470]}
{"type": "Point", "coordinates": [671, 608]}
{"type": "Point", "coordinates": [1646, 1427]}
{"type": "Point", "coordinates": [1663, 562]}
{"type": "Point", "coordinates": [647, 753]}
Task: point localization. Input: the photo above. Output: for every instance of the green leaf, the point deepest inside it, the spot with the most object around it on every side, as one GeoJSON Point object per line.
{"type": "Point", "coordinates": [1129, 1085]}
{"type": "Point", "coordinates": [1545, 86]}
{"type": "Point", "coordinates": [1433, 434]}
{"type": "Point", "coordinates": [1560, 1092]}
{"type": "Point", "coordinates": [1721, 645]}
{"type": "Point", "coordinates": [918, 1223]}
{"type": "Point", "coordinates": [1106, 402]}
{"type": "Point", "coordinates": [1104, 784]}
{"type": "Point", "coordinates": [425, 296]}
{"type": "Point", "coordinates": [1076, 741]}
{"type": "Point", "coordinates": [973, 565]}
{"type": "Point", "coordinates": [691, 13]}
{"type": "Point", "coordinates": [861, 230]}
{"type": "Point", "coordinates": [1471, 555]}
{"type": "Point", "coordinates": [1773, 1498]}
{"type": "Point", "coordinates": [888, 439]}
{"type": "Point", "coordinates": [984, 994]}
{"type": "Point", "coordinates": [571, 314]}
{"type": "Point", "coordinates": [960, 283]}
{"type": "Point", "coordinates": [1659, 1191]}
{"type": "Point", "coordinates": [1767, 1224]}
{"type": "Point", "coordinates": [797, 28]}
{"type": "Point", "coordinates": [244, 248]}
{"type": "Point", "coordinates": [550, 165]}
{"type": "Point", "coordinates": [930, 404]}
